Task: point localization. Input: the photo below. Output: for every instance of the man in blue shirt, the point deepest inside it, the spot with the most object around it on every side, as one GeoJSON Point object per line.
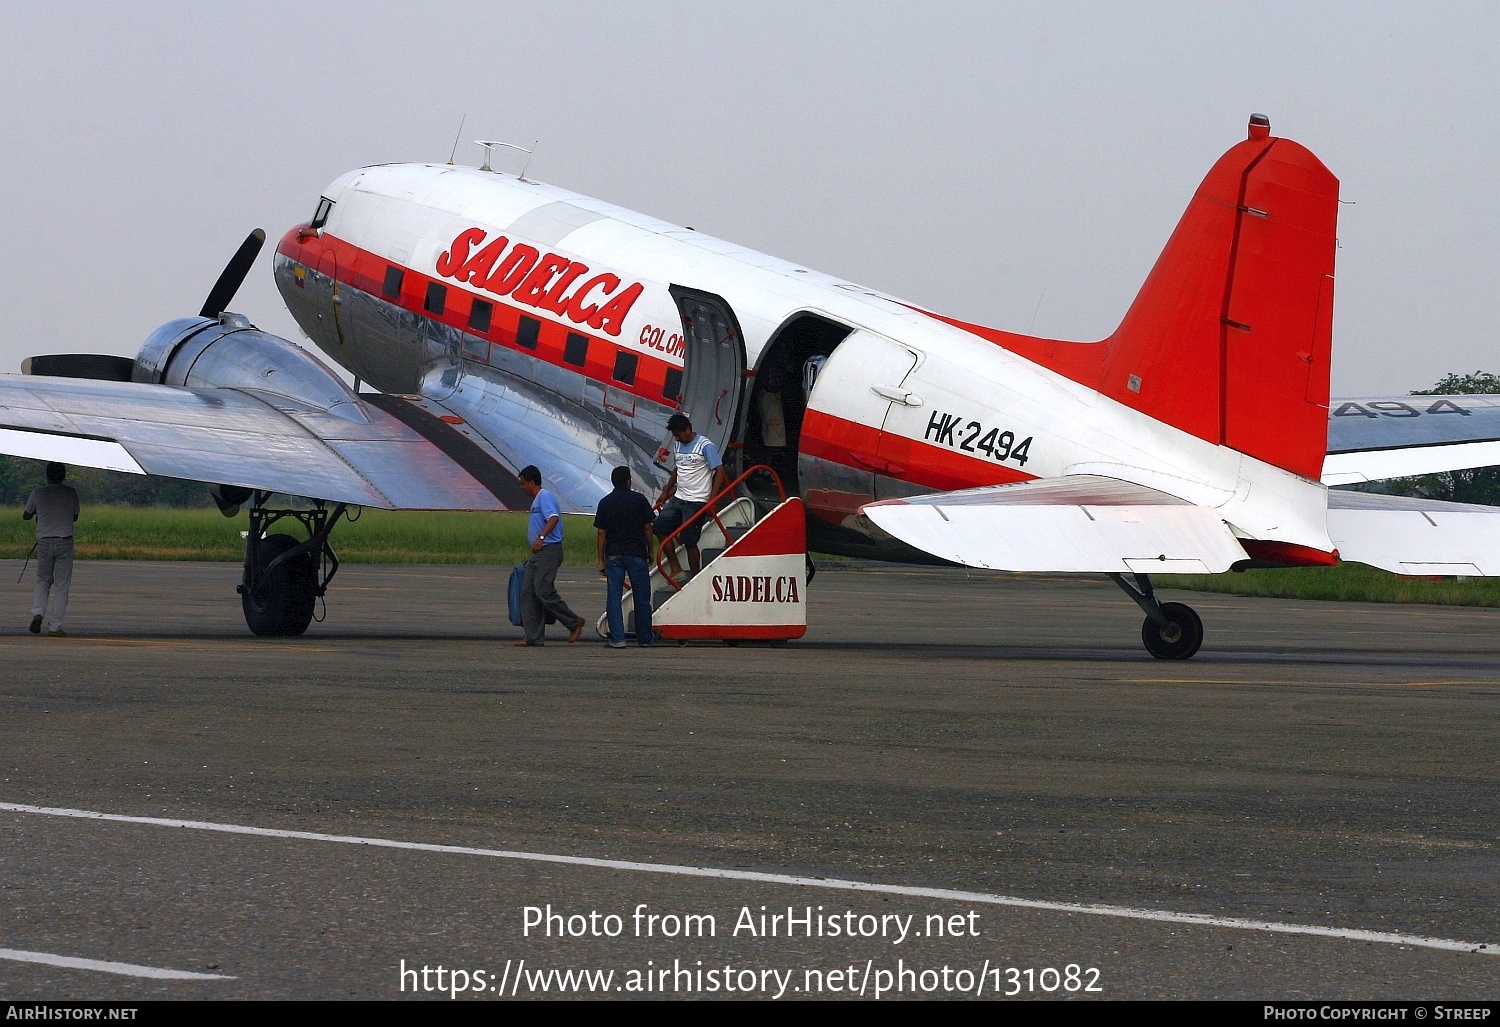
{"type": "Point", "coordinates": [539, 584]}
{"type": "Point", "coordinates": [624, 522]}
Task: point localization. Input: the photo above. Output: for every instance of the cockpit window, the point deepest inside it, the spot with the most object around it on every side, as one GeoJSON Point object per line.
{"type": "Point", "coordinates": [325, 207]}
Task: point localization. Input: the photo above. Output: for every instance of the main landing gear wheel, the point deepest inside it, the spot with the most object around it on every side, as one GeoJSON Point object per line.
{"type": "Point", "coordinates": [284, 577]}
{"type": "Point", "coordinates": [1179, 638]}
{"type": "Point", "coordinates": [283, 603]}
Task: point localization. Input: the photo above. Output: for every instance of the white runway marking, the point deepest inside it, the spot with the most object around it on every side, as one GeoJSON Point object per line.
{"type": "Point", "coordinates": [103, 966]}
{"type": "Point", "coordinates": [829, 883]}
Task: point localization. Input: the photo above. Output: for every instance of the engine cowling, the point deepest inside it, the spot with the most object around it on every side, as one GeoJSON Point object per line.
{"type": "Point", "coordinates": [229, 352]}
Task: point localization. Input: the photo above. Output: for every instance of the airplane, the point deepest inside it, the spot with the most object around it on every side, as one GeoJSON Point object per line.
{"type": "Point", "coordinates": [503, 322]}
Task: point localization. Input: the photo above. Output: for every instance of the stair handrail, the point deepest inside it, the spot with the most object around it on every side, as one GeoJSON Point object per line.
{"type": "Point", "coordinates": [709, 511]}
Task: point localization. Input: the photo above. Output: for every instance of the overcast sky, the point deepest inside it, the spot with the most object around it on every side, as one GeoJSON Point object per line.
{"type": "Point", "coordinates": [1020, 165]}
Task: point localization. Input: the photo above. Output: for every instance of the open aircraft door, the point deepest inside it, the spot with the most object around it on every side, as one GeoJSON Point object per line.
{"type": "Point", "coordinates": [713, 372]}
{"type": "Point", "coordinates": [843, 456]}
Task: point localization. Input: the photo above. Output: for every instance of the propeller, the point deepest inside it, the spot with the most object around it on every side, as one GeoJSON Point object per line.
{"type": "Point", "coordinates": [234, 275]}
{"type": "Point", "coordinates": [99, 366]}
{"type": "Point", "coordinates": [104, 367]}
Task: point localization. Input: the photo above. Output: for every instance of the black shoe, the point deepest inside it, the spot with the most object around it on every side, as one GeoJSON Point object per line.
{"type": "Point", "coordinates": [36, 625]}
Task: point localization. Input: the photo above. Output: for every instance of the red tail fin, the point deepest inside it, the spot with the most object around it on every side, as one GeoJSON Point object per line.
{"type": "Point", "coordinates": [1230, 337]}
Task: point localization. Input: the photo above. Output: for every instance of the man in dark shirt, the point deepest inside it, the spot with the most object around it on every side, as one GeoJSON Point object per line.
{"type": "Point", "coordinates": [624, 521]}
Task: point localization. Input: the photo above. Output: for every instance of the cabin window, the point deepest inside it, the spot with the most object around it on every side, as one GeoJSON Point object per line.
{"type": "Point", "coordinates": [527, 332]}
{"type": "Point", "coordinates": [320, 216]}
{"type": "Point", "coordinates": [437, 295]}
{"type": "Point", "coordinates": [576, 352]}
{"type": "Point", "coordinates": [674, 383]}
{"type": "Point", "coordinates": [625, 367]}
{"type": "Point", "coordinates": [479, 316]}
{"type": "Point", "coordinates": [392, 288]}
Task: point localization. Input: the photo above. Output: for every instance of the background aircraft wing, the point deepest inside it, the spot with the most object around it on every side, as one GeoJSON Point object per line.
{"type": "Point", "coordinates": [1371, 439]}
{"type": "Point", "coordinates": [1415, 536]}
{"type": "Point", "coordinates": [357, 454]}
{"type": "Point", "coordinates": [1079, 523]}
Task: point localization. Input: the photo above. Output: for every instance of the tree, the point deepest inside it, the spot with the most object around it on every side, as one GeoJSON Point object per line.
{"type": "Point", "coordinates": [18, 477]}
{"type": "Point", "coordinates": [1480, 383]}
{"type": "Point", "coordinates": [1472, 485]}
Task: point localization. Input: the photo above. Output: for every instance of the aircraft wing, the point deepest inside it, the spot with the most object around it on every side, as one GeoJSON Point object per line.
{"type": "Point", "coordinates": [1078, 523]}
{"type": "Point", "coordinates": [1415, 536]}
{"type": "Point", "coordinates": [358, 454]}
{"type": "Point", "coordinates": [1371, 439]}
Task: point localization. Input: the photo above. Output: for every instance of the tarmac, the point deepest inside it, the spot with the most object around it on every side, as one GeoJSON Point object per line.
{"type": "Point", "coordinates": [1306, 810]}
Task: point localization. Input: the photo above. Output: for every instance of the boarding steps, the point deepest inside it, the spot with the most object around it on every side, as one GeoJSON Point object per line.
{"type": "Point", "coordinates": [753, 580]}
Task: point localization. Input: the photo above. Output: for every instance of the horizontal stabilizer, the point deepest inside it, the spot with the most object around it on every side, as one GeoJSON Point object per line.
{"type": "Point", "coordinates": [1415, 536]}
{"type": "Point", "coordinates": [1074, 524]}
{"type": "Point", "coordinates": [1374, 439]}
{"type": "Point", "coordinates": [1353, 468]}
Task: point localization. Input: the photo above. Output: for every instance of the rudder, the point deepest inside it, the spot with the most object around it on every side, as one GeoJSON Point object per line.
{"type": "Point", "coordinates": [1278, 327]}
{"type": "Point", "coordinates": [1230, 337]}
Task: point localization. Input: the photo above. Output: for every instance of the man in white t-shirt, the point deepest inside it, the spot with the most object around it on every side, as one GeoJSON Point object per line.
{"type": "Point", "coordinates": [697, 476]}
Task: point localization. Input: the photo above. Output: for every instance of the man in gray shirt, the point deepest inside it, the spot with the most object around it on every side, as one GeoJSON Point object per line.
{"type": "Point", "coordinates": [55, 507]}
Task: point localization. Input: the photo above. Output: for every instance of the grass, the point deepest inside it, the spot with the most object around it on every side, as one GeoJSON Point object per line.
{"type": "Point", "coordinates": [379, 536]}
{"type": "Point", "coordinates": [1347, 582]}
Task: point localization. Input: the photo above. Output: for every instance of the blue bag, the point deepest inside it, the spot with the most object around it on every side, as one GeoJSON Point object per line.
{"type": "Point", "coordinates": [513, 597]}
{"type": "Point", "coordinates": [513, 594]}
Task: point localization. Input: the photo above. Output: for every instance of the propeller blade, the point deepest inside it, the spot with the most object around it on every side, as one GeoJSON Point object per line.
{"type": "Point", "coordinates": [99, 366]}
{"type": "Point", "coordinates": [234, 275]}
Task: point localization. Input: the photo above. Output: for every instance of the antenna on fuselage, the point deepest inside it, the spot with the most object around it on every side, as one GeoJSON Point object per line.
{"type": "Point", "coordinates": [457, 137]}
{"type": "Point", "coordinates": [488, 143]}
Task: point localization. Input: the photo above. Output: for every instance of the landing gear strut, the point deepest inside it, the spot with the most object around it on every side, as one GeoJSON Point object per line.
{"type": "Point", "coordinates": [1171, 631]}
{"type": "Point", "coordinates": [285, 577]}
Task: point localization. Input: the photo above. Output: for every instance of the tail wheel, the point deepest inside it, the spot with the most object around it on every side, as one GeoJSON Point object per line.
{"type": "Point", "coordinates": [283, 603]}
{"type": "Point", "coordinates": [1179, 638]}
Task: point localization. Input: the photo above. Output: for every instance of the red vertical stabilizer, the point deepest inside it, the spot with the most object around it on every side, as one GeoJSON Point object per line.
{"type": "Point", "coordinates": [1230, 337]}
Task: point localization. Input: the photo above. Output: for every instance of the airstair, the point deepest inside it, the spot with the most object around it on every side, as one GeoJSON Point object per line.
{"type": "Point", "coordinates": [753, 582]}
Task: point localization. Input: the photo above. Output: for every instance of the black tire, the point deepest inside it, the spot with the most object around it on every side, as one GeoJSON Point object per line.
{"type": "Point", "coordinates": [284, 603]}
{"type": "Point", "coordinates": [1178, 644]}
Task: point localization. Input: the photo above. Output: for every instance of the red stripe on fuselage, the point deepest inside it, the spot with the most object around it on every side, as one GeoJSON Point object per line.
{"type": "Point", "coordinates": [360, 269]}
{"type": "Point", "coordinates": [823, 435]}
{"type": "Point", "coordinates": [868, 449]}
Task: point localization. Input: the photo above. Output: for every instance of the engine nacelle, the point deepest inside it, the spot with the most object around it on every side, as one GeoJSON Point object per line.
{"type": "Point", "coordinates": [229, 352]}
